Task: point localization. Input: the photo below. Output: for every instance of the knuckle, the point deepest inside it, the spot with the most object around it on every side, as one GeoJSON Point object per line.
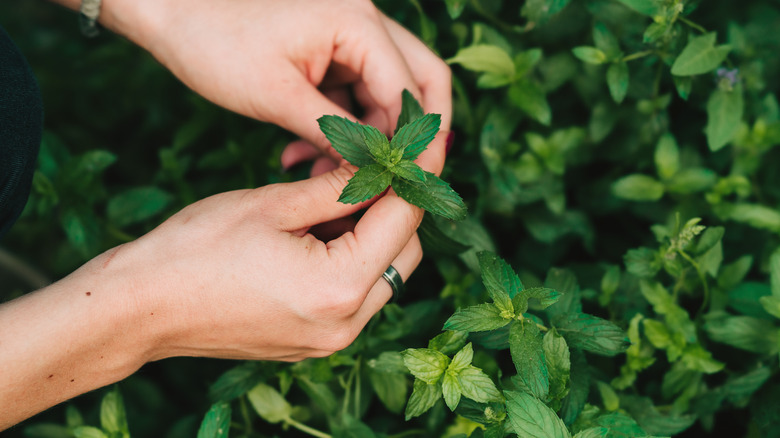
{"type": "Point", "coordinates": [340, 338]}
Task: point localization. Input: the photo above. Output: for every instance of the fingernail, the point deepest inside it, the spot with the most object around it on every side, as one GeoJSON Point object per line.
{"type": "Point", "coordinates": [448, 143]}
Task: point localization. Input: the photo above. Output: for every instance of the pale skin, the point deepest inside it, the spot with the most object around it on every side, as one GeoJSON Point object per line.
{"type": "Point", "coordinates": [240, 275]}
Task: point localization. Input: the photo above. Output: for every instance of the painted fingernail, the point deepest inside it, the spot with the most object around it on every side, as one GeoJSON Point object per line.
{"type": "Point", "coordinates": [448, 143]}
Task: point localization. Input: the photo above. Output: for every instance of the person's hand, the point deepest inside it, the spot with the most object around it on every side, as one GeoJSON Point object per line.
{"type": "Point", "coordinates": [236, 275]}
{"type": "Point", "coordinates": [290, 62]}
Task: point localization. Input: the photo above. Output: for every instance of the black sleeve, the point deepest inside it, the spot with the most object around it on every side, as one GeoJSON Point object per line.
{"type": "Point", "coordinates": [21, 123]}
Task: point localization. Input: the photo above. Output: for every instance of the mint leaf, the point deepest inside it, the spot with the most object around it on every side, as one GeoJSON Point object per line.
{"type": "Point", "coordinates": [617, 81]}
{"type": "Point", "coordinates": [409, 171]}
{"type": "Point", "coordinates": [450, 388]}
{"type": "Point", "coordinates": [479, 318]}
{"type": "Point", "coordinates": [415, 136]}
{"type": "Point", "coordinates": [368, 182]}
{"type": "Point", "coordinates": [423, 397]}
{"type": "Point", "coordinates": [558, 359]}
{"type": "Point", "coordinates": [593, 334]}
{"type": "Point", "coordinates": [216, 423]}
{"type": "Point", "coordinates": [476, 385]}
{"type": "Point", "coordinates": [269, 404]}
{"type": "Point", "coordinates": [112, 414]}
{"type": "Point", "coordinates": [724, 115]}
{"type": "Point", "coordinates": [434, 195]}
{"type": "Point", "coordinates": [347, 139]}
{"type": "Point", "coordinates": [426, 364]}
{"type": "Point", "coordinates": [379, 146]}
{"type": "Point", "coordinates": [462, 359]}
{"type": "Point", "coordinates": [525, 345]}
{"type": "Point", "coordinates": [756, 335]}
{"type": "Point", "coordinates": [588, 54]}
{"type": "Point", "coordinates": [530, 417]}
{"type": "Point", "coordinates": [500, 281]}
{"type": "Point", "coordinates": [700, 56]}
{"type": "Point", "coordinates": [485, 58]}
{"type": "Point", "coordinates": [449, 342]}
{"type": "Point", "coordinates": [410, 110]}
{"type": "Point", "coordinates": [391, 389]}
{"type": "Point", "coordinates": [546, 296]}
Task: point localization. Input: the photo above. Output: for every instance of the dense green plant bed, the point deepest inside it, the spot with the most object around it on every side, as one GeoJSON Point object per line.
{"type": "Point", "coordinates": [618, 273]}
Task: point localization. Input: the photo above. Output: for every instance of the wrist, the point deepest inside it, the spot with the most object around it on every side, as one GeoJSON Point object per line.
{"type": "Point", "coordinates": [137, 20]}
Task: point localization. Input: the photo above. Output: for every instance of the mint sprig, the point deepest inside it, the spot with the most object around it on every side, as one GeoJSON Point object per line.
{"type": "Point", "coordinates": [387, 163]}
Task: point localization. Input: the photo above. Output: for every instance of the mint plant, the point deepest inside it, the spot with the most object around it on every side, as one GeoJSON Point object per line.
{"type": "Point", "coordinates": [387, 163]}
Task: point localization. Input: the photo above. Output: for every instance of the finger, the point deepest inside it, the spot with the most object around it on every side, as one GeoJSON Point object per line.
{"type": "Point", "coordinates": [430, 73]}
{"type": "Point", "coordinates": [322, 165]}
{"type": "Point", "coordinates": [297, 152]}
{"type": "Point", "coordinates": [371, 54]}
{"type": "Point", "coordinates": [381, 292]}
{"type": "Point", "coordinates": [302, 204]}
{"type": "Point", "coordinates": [334, 229]}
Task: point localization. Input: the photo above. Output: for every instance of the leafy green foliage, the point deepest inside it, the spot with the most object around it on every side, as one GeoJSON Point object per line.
{"type": "Point", "coordinates": [384, 162]}
{"type": "Point", "coordinates": [617, 154]}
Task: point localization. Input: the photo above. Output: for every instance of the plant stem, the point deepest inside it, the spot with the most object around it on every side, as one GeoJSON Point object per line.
{"type": "Point", "coordinates": [702, 278]}
{"type": "Point", "coordinates": [304, 428]}
{"type": "Point", "coordinates": [637, 55]}
{"type": "Point", "coordinates": [357, 388]}
{"type": "Point", "coordinates": [692, 24]}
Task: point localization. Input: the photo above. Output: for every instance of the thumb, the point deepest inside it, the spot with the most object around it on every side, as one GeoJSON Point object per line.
{"type": "Point", "coordinates": [303, 204]}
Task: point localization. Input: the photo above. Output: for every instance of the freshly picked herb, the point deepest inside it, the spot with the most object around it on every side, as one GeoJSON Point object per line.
{"type": "Point", "coordinates": [387, 163]}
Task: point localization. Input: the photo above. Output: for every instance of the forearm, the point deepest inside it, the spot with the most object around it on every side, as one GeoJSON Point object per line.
{"type": "Point", "coordinates": [137, 20]}
{"type": "Point", "coordinates": [74, 336]}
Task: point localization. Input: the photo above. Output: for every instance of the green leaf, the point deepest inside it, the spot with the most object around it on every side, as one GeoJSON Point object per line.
{"type": "Point", "coordinates": [450, 388]}
{"type": "Point", "coordinates": [449, 342]}
{"type": "Point", "coordinates": [733, 274]}
{"type": "Point", "coordinates": [347, 138]}
{"type": "Point", "coordinates": [434, 195]}
{"type": "Point", "coordinates": [455, 7]}
{"type": "Point", "coordinates": [485, 58]}
{"type": "Point", "coordinates": [620, 425]}
{"type": "Point", "coordinates": [608, 396]}
{"type": "Point", "coordinates": [500, 281]}
{"type": "Point", "coordinates": [593, 432]}
{"type": "Point", "coordinates": [700, 56]}
{"type": "Point", "coordinates": [530, 98]}
{"type": "Point", "coordinates": [558, 358]}
{"type": "Point", "coordinates": [691, 180]}
{"type": "Point", "coordinates": [526, 347]}
{"type": "Point", "coordinates": [369, 181]}
{"type": "Point", "coordinates": [593, 334]}
{"type": "Point", "coordinates": [539, 11]}
{"type": "Point", "coordinates": [638, 187]}
{"type": "Point", "coordinates": [410, 109]}
{"type": "Point", "coordinates": [112, 414]}
{"type": "Point", "coordinates": [527, 60]}
{"type": "Point", "coordinates": [617, 81]}
{"type": "Point", "coordinates": [423, 397]}
{"type": "Point", "coordinates": [379, 146]}
{"type": "Point", "coordinates": [137, 204]}
{"type": "Point", "coordinates": [48, 430]}
{"type": "Point", "coordinates": [546, 296]}
{"type": "Point", "coordinates": [724, 115]}
{"type": "Point", "coordinates": [236, 381]}
{"type": "Point", "coordinates": [646, 7]}
{"type": "Point", "coordinates": [530, 417]}
{"type": "Point", "coordinates": [642, 262]}
{"type": "Point", "coordinates": [744, 332]}
{"type": "Point", "coordinates": [391, 388]}
{"type": "Point", "coordinates": [479, 318]}
{"type": "Point", "coordinates": [696, 358]}
{"type": "Point", "coordinates": [755, 215]}
{"type": "Point", "coordinates": [774, 272]}
{"type": "Point", "coordinates": [414, 137]}
{"type": "Point", "coordinates": [574, 402]}
{"type": "Point", "coordinates": [425, 364]}
{"type": "Point", "coordinates": [771, 305]}
{"type": "Point", "coordinates": [88, 432]}
{"type": "Point", "coordinates": [216, 423]}
{"type": "Point", "coordinates": [435, 241]}
{"type": "Point", "coordinates": [667, 156]}
{"type": "Point", "coordinates": [476, 385]}
{"type": "Point", "coordinates": [96, 161]}
{"type": "Point", "coordinates": [269, 404]}
{"type": "Point", "coordinates": [589, 54]}
{"type": "Point", "coordinates": [462, 359]}
{"type": "Point", "coordinates": [409, 171]}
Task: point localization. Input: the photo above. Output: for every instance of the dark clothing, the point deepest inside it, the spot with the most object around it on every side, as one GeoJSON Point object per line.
{"type": "Point", "coordinates": [21, 124]}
